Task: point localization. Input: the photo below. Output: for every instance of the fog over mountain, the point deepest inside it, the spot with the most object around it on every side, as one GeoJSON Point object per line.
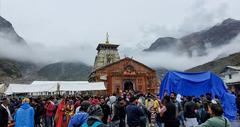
{"type": "Point", "coordinates": [169, 58]}
{"type": "Point", "coordinates": [57, 32]}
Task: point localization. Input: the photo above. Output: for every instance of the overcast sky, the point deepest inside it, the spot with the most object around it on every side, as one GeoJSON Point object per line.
{"type": "Point", "coordinates": [127, 21]}
{"type": "Point", "coordinates": [130, 23]}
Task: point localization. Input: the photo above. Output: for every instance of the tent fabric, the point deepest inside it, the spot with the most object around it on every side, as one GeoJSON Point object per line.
{"type": "Point", "coordinates": [17, 88]}
{"type": "Point", "coordinates": [28, 88]}
{"type": "Point", "coordinates": [82, 86]}
{"type": "Point", "coordinates": [197, 84]}
{"type": "Point", "coordinates": [230, 108]}
{"type": "Point", "coordinates": [192, 84]}
{"type": "Point", "coordinates": [52, 86]}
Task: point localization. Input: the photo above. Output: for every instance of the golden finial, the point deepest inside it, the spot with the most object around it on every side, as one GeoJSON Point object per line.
{"type": "Point", "coordinates": [107, 36]}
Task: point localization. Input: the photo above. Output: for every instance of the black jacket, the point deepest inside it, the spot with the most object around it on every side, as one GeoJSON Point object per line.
{"type": "Point", "coordinates": [3, 117]}
{"type": "Point", "coordinates": [169, 116]}
{"type": "Point", "coordinates": [133, 115]}
{"type": "Point", "coordinates": [170, 113]}
{"type": "Point", "coordinates": [106, 112]}
{"type": "Point", "coordinates": [189, 110]}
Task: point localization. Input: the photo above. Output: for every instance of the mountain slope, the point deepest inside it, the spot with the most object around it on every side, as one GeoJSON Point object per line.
{"type": "Point", "coordinates": [217, 66]}
{"type": "Point", "coordinates": [9, 69]}
{"type": "Point", "coordinates": [7, 33]}
{"type": "Point", "coordinates": [162, 44]}
{"type": "Point", "coordinates": [198, 42]}
{"type": "Point", "coordinates": [65, 71]}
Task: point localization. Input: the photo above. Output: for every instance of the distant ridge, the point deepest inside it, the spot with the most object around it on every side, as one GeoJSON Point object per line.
{"type": "Point", "coordinates": [218, 65]}
{"type": "Point", "coordinates": [197, 43]}
{"type": "Point", "coordinates": [7, 33]}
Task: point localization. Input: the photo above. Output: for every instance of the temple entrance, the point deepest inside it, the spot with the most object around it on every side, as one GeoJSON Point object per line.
{"type": "Point", "coordinates": [128, 85]}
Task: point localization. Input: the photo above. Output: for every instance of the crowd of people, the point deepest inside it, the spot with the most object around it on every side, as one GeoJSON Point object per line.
{"type": "Point", "coordinates": [128, 109]}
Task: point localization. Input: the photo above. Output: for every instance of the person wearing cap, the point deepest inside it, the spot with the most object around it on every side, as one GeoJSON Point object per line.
{"type": "Point", "coordinates": [134, 113]}
{"type": "Point", "coordinates": [5, 115]}
{"type": "Point", "coordinates": [24, 116]}
{"type": "Point", "coordinates": [80, 117]}
{"type": "Point", "coordinates": [95, 116]}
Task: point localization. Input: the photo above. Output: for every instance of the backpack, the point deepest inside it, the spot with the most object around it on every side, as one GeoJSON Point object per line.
{"type": "Point", "coordinates": [95, 124]}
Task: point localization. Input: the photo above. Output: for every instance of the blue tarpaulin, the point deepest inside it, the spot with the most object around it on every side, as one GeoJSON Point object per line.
{"type": "Point", "coordinates": [197, 84]}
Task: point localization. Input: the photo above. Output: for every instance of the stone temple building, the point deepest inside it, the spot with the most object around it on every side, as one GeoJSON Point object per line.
{"type": "Point", "coordinates": [121, 74]}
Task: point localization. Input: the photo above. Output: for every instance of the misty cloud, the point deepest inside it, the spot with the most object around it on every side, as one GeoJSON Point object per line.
{"type": "Point", "coordinates": [42, 55]}
{"type": "Point", "coordinates": [201, 17]}
{"type": "Point", "coordinates": [70, 31]}
{"type": "Point", "coordinates": [173, 61]}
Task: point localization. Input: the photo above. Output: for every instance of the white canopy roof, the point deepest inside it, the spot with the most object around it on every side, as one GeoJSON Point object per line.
{"type": "Point", "coordinates": [237, 68]}
{"type": "Point", "coordinates": [52, 86]}
{"type": "Point", "coordinates": [17, 88]}
{"type": "Point", "coordinates": [82, 86]}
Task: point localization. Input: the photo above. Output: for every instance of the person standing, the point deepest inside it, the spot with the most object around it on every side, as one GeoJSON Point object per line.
{"type": "Point", "coordinates": [179, 109]}
{"type": "Point", "coordinates": [238, 103]}
{"type": "Point", "coordinates": [38, 111]}
{"type": "Point", "coordinates": [134, 113]}
{"type": "Point", "coordinates": [203, 113]}
{"type": "Point", "coordinates": [115, 121]}
{"type": "Point", "coordinates": [80, 117]}
{"type": "Point", "coordinates": [122, 112]}
{"type": "Point", "coordinates": [69, 111]}
{"type": "Point", "coordinates": [105, 109]}
{"type": "Point", "coordinates": [24, 116]}
{"type": "Point", "coordinates": [162, 109]}
{"type": "Point", "coordinates": [49, 107]}
{"type": "Point", "coordinates": [217, 119]}
{"type": "Point", "coordinates": [156, 111]}
{"type": "Point", "coordinates": [60, 116]}
{"type": "Point", "coordinates": [149, 103]}
{"type": "Point", "coordinates": [95, 116]}
{"type": "Point", "coordinates": [143, 122]}
{"type": "Point", "coordinates": [190, 109]}
{"type": "Point", "coordinates": [169, 116]}
{"type": "Point", "coordinates": [5, 115]}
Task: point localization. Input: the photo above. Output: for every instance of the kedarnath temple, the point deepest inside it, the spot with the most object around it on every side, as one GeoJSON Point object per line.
{"type": "Point", "coordinates": [121, 74]}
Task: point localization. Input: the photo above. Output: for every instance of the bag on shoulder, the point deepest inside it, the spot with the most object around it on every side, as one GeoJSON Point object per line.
{"type": "Point", "coordinates": [95, 124]}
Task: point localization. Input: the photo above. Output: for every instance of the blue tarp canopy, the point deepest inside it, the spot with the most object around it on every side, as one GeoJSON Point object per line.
{"type": "Point", "coordinates": [197, 84]}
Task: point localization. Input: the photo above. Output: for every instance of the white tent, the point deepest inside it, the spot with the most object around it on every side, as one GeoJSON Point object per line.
{"type": "Point", "coordinates": [72, 85]}
{"type": "Point", "coordinates": [17, 88]}
{"type": "Point", "coordinates": [82, 86]}
{"type": "Point", "coordinates": [53, 86]}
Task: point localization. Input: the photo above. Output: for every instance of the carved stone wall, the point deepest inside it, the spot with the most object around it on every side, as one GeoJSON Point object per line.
{"type": "Point", "coordinates": [107, 53]}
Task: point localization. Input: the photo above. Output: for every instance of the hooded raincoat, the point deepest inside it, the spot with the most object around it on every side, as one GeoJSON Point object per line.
{"type": "Point", "coordinates": [24, 116]}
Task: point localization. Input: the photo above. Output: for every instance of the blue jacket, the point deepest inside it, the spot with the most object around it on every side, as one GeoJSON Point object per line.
{"type": "Point", "coordinates": [134, 114]}
{"type": "Point", "coordinates": [24, 116]}
{"type": "Point", "coordinates": [78, 119]}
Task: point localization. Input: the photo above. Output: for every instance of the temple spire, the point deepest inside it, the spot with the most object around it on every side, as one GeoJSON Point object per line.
{"type": "Point", "coordinates": [107, 36]}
